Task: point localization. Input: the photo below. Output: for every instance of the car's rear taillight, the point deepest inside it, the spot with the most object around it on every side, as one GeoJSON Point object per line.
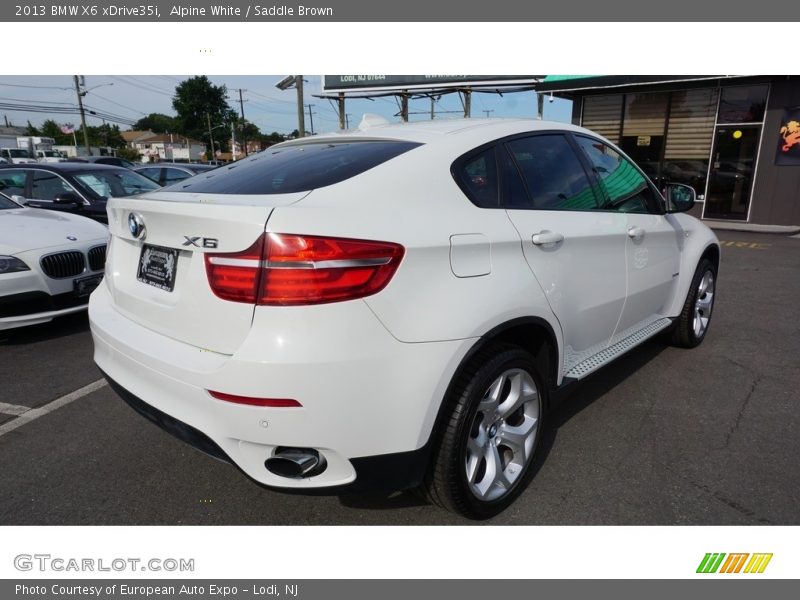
{"type": "Point", "coordinates": [296, 270]}
{"type": "Point", "coordinates": [236, 276]}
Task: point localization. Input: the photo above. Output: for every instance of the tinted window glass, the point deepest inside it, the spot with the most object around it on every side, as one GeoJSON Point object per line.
{"type": "Point", "coordinates": [297, 168]}
{"type": "Point", "coordinates": [151, 173]}
{"type": "Point", "coordinates": [12, 182]}
{"type": "Point", "coordinates": [172, 175]}
{"type": "Point", "coordinates": [7, 203]}
{"type": "Point", "coordinates": [553, 173]}
{"type": "Point", "coordinates": [512, 193]}
{"type": "Point", "coordinates": [46, 186]}
{"type": "Point", "coordinates": [478, 178]}
{"type": "Point", "coordinates": [115, 182]}
{"type": "Point", "coordinates": [626, 188]}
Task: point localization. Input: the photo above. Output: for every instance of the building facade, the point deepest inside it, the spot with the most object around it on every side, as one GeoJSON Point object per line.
{"type": "Point", "coordinates": [735, 140]}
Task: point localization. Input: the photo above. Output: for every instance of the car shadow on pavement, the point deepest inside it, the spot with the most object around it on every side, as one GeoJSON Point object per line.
{"type": "Point", "coordinates": [57, 328]}
{"type": "Point", "coordinates": [579, 397]}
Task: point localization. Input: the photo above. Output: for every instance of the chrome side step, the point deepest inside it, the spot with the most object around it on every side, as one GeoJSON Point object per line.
{"type": "Point", "coordinates": [605, 356]}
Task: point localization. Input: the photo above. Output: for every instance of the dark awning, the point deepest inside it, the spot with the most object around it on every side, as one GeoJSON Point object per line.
{"type": "Point", "coordinates": [574, 83]}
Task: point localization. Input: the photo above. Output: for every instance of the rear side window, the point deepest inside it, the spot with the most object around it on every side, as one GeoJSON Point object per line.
{"type": "Point", "coordinates": [298, 168]}
{"type": "Point", "coordinates": [477, 177]}
{"type": "Point", "coordinates": [553, 174]}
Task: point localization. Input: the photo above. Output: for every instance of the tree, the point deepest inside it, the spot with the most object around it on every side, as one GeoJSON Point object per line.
{"type": "Point", "coordinates": [52, 129]}
{"type": "Point", "coordinates": [157, 123]}
{"type": "Point", "coordinates": [31, 130]}
{"type": "Point", "coordinates": [196, 100]}
{"type": "Point", "coordinates": [129, 153]}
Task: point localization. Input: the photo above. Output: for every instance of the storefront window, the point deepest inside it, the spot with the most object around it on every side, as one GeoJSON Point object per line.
{"type": "Point", "coordinates": [603, 115]}
{"type": "Point", "coordinates": [690, 132]}
{"type": "Point", "coordinates": [643, 130]}
{"type": "Point", "coordinates": [743, 104]}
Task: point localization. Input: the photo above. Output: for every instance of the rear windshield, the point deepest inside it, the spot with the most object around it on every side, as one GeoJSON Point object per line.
{"type": "Point", "coordinates": [295, 168]}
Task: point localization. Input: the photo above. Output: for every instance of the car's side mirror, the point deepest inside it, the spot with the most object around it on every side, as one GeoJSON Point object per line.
{"type": "Point", "coordinates": [67, 200]}
{"type": "Point", "coordinates": [679, 197]}
{"type": "Point", "coordinates": [19, 199]}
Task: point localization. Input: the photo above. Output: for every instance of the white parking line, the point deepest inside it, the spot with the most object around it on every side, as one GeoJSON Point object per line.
{"type": "Point", "coordinates": [26, 415]}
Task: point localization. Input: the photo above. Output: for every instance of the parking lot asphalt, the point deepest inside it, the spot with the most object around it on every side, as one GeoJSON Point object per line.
{"type": "Point", "coordinates": [662, 436]}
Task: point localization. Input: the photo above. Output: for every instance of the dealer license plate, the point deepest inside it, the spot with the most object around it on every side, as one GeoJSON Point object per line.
{"type": "Point", "coordinates": [86, 285]}
{"type": "Point", "coordinates": [158, 267]}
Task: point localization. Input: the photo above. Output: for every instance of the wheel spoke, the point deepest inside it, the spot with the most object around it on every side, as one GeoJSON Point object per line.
{"type": "Point", "coordinates": [493, 470]}
{"type": "Point", "coordinates": [705, 302]}
{"type": "Point", "coordinates": [522, 390]}
{"type": "Point", "coordinates": [491, 400]}
{"type": "Point", "coordinates": [519, 439]}
{"type": "Point", "coordinates": [473, 461]}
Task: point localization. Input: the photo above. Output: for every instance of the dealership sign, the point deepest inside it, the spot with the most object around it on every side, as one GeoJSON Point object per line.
{"type": "Point", "coordinates": [360, 83]}
{"type": "Point", "coordinates": [788, 151]}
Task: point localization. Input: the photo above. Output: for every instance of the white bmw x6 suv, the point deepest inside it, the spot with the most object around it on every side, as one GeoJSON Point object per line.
{"type": "Point", "coordinates": [394, 307]}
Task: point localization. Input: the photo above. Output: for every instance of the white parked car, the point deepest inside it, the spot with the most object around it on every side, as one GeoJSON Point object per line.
{"type": "Point", "coordinates": [394, 307]}
{"type": "Point", "coordinates": [49, 263]}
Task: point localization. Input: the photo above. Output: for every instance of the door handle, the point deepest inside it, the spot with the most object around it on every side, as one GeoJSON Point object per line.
{"type": "Point", "coordinates": [635, 232]}
{"type": "Point", "coordinates": [547, 237]}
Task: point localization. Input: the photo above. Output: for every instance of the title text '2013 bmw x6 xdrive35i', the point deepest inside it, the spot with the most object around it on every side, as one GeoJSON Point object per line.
{"type": "Point", "coordinates": [394, 306]}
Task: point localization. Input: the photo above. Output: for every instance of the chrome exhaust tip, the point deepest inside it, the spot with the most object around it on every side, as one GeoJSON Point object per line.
{"type": "Point", "coordinates": [295, 463]}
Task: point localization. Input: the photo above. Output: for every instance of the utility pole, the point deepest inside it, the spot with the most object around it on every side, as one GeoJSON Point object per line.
{"type": "Point", "coordinates": [404, 106]}
{"type": "Point", "coordinates": [347, 120]}
{"type": "Point", "coordinates": [467, 104]}
{"type": "Point", "coordinates": [433, 113]}
{"type": "Point", "coordinates": [487, 112]}
{"type": "Point", "coordinates": [241, 106]}
{"type": "Point", "coordinates": [233, 140]}
{"type": "Point", "coordinates": [539, 105]}
{"type": "Point", "coordinates": [83, 115]}
{"type": "Point", "coordinates": [311, 117]}
{"type": "Point", "coordinates": [210, 136]}
{"type": "Point", "coordinates": [342, 114]}
{"type": "Point", "coordinates": [301, 116]}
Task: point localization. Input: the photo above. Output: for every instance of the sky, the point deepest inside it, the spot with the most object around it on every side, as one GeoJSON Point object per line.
{"type": "Point", "coordinates": [130, 97]}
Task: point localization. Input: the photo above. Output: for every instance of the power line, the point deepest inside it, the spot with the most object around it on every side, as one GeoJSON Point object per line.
{"type": "Point", "coordinates": [38, 87]}
{"type": "Point", "coordinates": [147, 83]}
{"type": "Point", "coordinates": [141, 87]}
{"type": "Point", "coordinates": [138, 112]}
{"type": "Point", "coordinates": [272, 99]}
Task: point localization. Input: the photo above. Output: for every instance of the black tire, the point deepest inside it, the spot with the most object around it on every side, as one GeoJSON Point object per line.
{"type": "Point", "coordinates": [447, 484]}
{"type": "Point", "coordinates": [684, 333]}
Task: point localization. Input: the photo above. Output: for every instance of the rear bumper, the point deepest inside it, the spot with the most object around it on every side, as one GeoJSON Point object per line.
{"type": "Point", "coordinates": [368, 404]}
{"type": "Point", "coordinates": [387, 472]}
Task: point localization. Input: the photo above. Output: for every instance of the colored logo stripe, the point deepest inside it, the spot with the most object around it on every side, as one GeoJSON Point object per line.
{"type": "Point", "coordinates": [733, 564]}
{"type": "Point", "coordinates": [710, 562]}
{"type": "Point", "coordinates": [758, 563]}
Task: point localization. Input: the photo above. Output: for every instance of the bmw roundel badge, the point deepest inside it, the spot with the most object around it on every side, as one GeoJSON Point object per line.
{"type": "Point", "coordinates": [136, 226]}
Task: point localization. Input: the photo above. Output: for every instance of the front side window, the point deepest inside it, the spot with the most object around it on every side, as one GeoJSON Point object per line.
{"type": "Point", "coordinates": [47, 185]}
{"type": "Point", "coordinates": [626, 189]}
{"type": "Point", "coordinates": [553, 174]}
